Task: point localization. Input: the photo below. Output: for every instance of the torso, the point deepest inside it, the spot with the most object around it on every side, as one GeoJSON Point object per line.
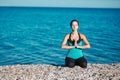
{"type": "Point", "coordinates": [74, 52]}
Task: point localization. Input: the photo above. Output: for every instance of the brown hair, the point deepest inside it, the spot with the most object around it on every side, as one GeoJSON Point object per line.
{"type": "Point", "coordinates": [73, 21]}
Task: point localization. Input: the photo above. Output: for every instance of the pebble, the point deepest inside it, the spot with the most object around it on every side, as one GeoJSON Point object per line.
{"type": "Point", "coordinates": [51, 72]}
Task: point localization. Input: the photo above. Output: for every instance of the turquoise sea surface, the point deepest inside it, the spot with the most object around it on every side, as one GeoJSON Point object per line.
{"type": "Point", "coordinates": [33, 35]}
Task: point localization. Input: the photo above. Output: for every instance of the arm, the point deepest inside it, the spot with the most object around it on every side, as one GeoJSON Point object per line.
{"type": "Point", "coordinates": [87, 45]}
{"type": "Point", "coordinates": [63, 45]}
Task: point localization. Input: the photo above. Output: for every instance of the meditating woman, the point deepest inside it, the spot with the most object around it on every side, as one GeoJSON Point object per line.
{"type": "Point", "coordinates": [73, 42]}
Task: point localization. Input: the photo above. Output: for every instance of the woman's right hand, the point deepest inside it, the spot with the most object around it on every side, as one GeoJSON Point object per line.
{"type": "Point", "coordinates": [75, 43]}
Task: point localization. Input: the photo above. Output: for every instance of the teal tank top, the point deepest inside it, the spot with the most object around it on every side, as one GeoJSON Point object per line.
{"type": "Point", "coordinates": [74, 53]}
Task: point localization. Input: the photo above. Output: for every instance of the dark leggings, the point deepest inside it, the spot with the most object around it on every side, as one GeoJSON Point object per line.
{"type": "Point", "coordinates": [70, 62]}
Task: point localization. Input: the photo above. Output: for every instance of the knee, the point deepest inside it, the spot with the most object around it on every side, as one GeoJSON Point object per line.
{"type": "Point", "coordinates": [84, 65]}
{"type": "Point", "coordinates": [71, 65]}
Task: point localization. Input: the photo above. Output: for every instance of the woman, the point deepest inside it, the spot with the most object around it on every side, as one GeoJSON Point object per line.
{"type": "Point", "coordinates": [73, 42]}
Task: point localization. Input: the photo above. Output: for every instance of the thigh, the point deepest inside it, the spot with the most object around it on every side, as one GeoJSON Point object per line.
{"type": "Point", "coordinates": [69, 62]}
{"type": "Point", "coordinates": [82, 62]}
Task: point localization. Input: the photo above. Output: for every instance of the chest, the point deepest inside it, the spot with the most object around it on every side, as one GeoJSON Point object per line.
{"type": "Point", "coordinates": [70, 43]}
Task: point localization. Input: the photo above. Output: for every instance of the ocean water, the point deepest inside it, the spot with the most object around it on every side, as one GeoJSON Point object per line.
{"type": "Point", "coordinates": [33, 35]}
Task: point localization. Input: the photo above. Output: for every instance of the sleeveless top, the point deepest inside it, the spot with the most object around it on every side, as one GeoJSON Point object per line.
{"type": "Point", "coordinates": [74, 53]}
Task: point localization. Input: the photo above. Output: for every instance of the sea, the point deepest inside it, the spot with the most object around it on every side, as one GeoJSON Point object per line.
{"type": "Point", "coordinates": [33, 35]}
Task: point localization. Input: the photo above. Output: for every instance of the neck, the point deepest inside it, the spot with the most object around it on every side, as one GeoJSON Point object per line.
{"type": "Point", "coordinates": [74, 32]}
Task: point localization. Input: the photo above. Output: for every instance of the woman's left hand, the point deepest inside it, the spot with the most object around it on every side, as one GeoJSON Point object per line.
{"type": "Point", "coordinates": [75, 43]}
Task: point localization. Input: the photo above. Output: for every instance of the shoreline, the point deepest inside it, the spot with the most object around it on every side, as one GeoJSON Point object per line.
{"type": "Point", "coordinates": [52, 72]}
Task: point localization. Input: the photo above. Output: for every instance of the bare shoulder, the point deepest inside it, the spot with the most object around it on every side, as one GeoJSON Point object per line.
{"type": "Point", "coordinates": [82, 35]}
{"type": "Point", "coordinates": [67, 35]}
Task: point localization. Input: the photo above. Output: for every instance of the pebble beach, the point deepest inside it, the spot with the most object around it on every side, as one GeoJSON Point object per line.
{"type": "Point", "coordinates": [56, 72]}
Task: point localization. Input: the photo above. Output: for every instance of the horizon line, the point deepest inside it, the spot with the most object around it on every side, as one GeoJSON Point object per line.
{"type": "Point", "coordinates": [64, 7]}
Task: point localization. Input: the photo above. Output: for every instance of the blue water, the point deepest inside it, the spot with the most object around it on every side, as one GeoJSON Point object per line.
{"type": "Point", "coordinates": [34, 35]}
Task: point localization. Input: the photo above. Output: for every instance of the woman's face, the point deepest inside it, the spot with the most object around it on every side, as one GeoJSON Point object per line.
{"type": "Point", "coordinates": [74, 26]}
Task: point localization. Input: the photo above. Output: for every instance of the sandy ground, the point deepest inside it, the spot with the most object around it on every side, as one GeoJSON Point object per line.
{"type": "Point", "coordinates": [52, 72]}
